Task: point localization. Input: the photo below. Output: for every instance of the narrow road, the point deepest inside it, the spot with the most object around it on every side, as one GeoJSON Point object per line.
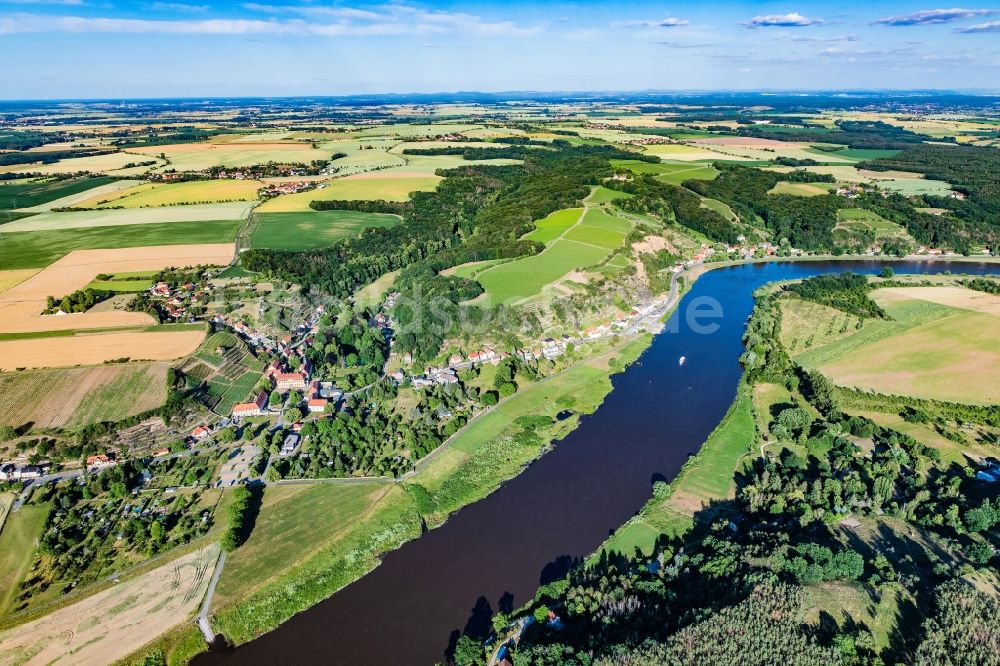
{"type": "Point", "coordinates": [203, 624]}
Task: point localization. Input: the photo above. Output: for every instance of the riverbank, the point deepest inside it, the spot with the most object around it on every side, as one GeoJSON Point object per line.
{"type": "Point", "coordinates": [452, 482]}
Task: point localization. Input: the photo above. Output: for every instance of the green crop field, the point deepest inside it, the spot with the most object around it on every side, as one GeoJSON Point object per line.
{"type": "Point", "coordinates": [602, 195]}
{"type": "Point", "coordinates": [525, 277]}
{"type": "Point", "coordinates": [40, 248]}
{"type": "Point", "coordinates": [801, 189]}
{"type": "Point", "coordinates": [674, 174]}
{"type": "Point", "coordinates": [314, 229]}
{"type": "Point", "coordinates": [17, 548]}
{"type": "Point", "coordinates": [91, 219]}
{"type": "Point", "coordinates": [554, 225]}
{"type": "Point", "coordinates": [38, 192]}
{"type": "Point", "coordinates": [572, 243]}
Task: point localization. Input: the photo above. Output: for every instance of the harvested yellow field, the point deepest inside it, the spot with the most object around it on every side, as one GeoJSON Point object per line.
{"type": "Point", "coordinates": [110, 625]}
{"type": "Point", "coordinates": [54, 398]}
{"type": "Point", "coordinates": [104, 163]}
{"type": "Point", "coordinates": [198, 156]}
{"type": "Point", "coordinates": [21, 305]}
{"type": "Point", "coordinates": [13, 278]}
{"type": "Point", "coordinates": [96, 348]}
{"type": "Point", "coordinates": [175, 194]}
{"type": "Point", "coordinates": [956, 297]}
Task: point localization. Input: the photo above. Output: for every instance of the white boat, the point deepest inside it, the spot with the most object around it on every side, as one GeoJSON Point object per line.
{"type": "Point", "coordinates": [681, 361]}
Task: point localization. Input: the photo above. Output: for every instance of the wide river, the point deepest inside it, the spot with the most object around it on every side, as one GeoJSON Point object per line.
{"type": "Point", "coordinates": [492, 555]}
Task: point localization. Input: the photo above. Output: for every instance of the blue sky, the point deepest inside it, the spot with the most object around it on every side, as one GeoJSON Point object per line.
{"type": "Point", "coordinates": [114, 48]}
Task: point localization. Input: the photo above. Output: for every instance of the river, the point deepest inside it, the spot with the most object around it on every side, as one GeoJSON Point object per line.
{"type": "Point", "coordinates": [492, 555]}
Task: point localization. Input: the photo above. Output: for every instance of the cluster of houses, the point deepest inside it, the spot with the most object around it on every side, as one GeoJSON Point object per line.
{"type": "Point", "coordinates": [11, 472]}
{"type": "Point", "coordinates": [175, 301]}
{"type": "Point", "coordinates": [278, 189]}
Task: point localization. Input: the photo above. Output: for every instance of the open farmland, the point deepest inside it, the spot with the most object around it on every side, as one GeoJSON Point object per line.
{"type": "Point", "coordinates": [41, 248]}
{"type": "Point", "coordinates": [386, 185]}
{"type": "Point", "coordinates": [41, 194]}
{"type": "Point", "coordinates": [314, 229]}
{"type": "Point", "coordinates": [201, 156]}
{"type": "Point", "coordinates": [801, 189]}
{"type": "Point", "coordinates": [176, 194]}
{"type": "Point", "coordinates": [77, 396]}
{"type": "Point", "coordinates": [554, 225]}
{"type": "Point", "coordinates": [66, 351]}
{"type": "Point", "coordinates": [579, 245]}
{"type": "Point", "coordinates": [93, 219]}
{"type": "Point", "coordinates": [949, 352]}
{"type": "Point", "coordinates": [21, 306]}
{"type": "Point", "coordinates": [110, 163]}
{"type": "Point", "coordinates": [855, 218]}
{"type": "Point", "coordinates": [109, 625]}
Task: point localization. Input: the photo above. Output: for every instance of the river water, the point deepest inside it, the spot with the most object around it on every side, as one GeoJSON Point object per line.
{"type": "Point", "coordinates": [492, 555]}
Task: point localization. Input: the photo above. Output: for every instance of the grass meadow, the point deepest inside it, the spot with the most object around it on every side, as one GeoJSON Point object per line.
{"type": "Point", "coordinates": [314, 229]}
{"type": "Point", "coordinates": [572, 243]}
{"type": "Point", "coordinates": [17, 547]}
{"type": "Point", "coordinates": [928, 350]}
{"type": "Point", "coordinates": [91, 219]}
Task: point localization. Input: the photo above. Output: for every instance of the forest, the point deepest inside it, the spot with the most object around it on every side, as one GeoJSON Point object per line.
{"type": "Point", "coordinates": [807, 222]}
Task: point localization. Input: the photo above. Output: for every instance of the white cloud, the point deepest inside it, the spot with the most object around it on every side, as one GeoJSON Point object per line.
{"type": "Point", "coordinates": [990, 26]}
{"type": "Point", "coordinates": [179, 7]}
{"type": "Point", "coordinates": [932, 16]}
{"type": "Point", "coordinates": [791, 20]}
{"type": "Point", "coordinates": [65, 3]}
{"type": "Point", "coordinates": [669, 22]}
{"type": "Point", "coordinates": [395, 20]}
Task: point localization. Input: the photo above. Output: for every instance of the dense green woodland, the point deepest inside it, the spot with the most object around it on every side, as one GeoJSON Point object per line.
{"type": "Point", "coordinates": [973, 171]}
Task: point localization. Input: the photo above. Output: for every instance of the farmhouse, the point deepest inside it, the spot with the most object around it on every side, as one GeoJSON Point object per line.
{"type": "Point", "coordinates": [316, 404]}
{"type": "Point", "coordinates": [251, 408]}
{"type": "Point", "coordinates": [201, 432]}
{"type": "Point", "coordinates": [101, 461]}
{"type": "Point", "coordinates": [284, 381]}
{"type": "Point", "coordinates": [28, 472]}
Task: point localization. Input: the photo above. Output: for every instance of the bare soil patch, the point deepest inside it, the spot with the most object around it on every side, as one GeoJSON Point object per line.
{"type": "Point", "coordinates": [956, 297]}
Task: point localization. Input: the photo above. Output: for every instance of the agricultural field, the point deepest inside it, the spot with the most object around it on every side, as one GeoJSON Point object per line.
{"type": "Point", "coordinates": [41, 193]}
{"type": "Point", "coordinates": [56, 398]}
{"type": "Point", "coordinates": [582, 244]}
{"type": "Point", "coordinates": [112, 623]}
{"type": "Point", "coordinates": [943, 345]}
{"type": "Point", "coordinates": [602, 195]}
{"type": "Point", "coordinates": [37, 249]}
{"type": "Point", "coordinates": [849, 219]}
{"type": "Point", "coordinates": [764, 150]}
{"type": "Point", "coordinates": [201, 156]}
{"type": "Point", "coordinates": [802, 189]}
{"type": "Point", "coordinates": [18, 539]}
{"type": "Point", "coordinates": [314, 229]}
{"type": "Point", "coordinates": [21, 306]}
{"type": "Point", "coordinates": [151, 195]}
{"type": "Point", "coordinates": [554, 225]}
{"type": "Point", "coordinates": [108, 163]}
{"type": "Point", "coordinates": [387, 185]}
{"type": "Point", "coordinates": [309, 516]}
{"type": "Point", "coordinates": [230, 376]}
{"type": "Point", "coordinates": [675, 174]}
{"type": "Point", "coordinates": [64, 351]}
{"type": "Point", "coordinates": [93, 219]}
